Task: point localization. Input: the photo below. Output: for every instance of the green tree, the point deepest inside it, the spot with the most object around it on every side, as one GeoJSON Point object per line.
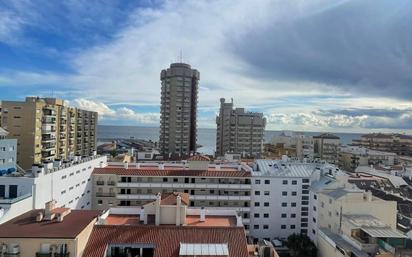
{"type": "Point", "coordinates": [301, 246]}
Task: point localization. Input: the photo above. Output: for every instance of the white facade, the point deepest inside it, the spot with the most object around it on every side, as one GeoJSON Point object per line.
{"type": "Point", "coordinates": [68, 183]}
{"type": "Point", "coordinates": [280, 197]}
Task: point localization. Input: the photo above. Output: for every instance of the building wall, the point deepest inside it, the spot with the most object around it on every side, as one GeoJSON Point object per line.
{"type": "Point", "coordinates": [8, 154]}
{"type": "Point", "coordinates": [9, 211]}
{"type": "Point", "coordinates": [239, 131]}
{"type": "Point", "coordinates": [83, 238]}
{"type": "Point", "coordinates": [30, 246]}
{"type": "Point", "coordinates": [178, 115]}
{"type": "Point", "coordinates": [283, 220]}
{"type": "Point", "coordinates": [48, 130]}
{"type": "Point", "coordinates": [327, 248]}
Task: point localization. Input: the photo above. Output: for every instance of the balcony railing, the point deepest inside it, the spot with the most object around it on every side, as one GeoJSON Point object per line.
{"type": "Point", "coordinates": [61, 255]}
{"type": "Point", "coordinates": [43, 255]}
{"type": "Point", "coordinates": [98, 194]}
{"type": "Point", "coordinates": [15, 200]}
{"type": "Point", "coordinates": [100, 183]}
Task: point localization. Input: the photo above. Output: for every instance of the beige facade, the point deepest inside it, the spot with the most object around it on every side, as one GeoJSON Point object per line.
{"type": "Point", "coordinates": [351, 157]}
{"type": "Point", "coordinates": [46, 129]}
{"type": "Point", "coordinates": [178, 109]}
{"type": "Point", "coordinates": [326, 147]}
{"type": "Point", "coordinates": [395, 143]}
{"type": "Point", "coordinates": [239, 131]}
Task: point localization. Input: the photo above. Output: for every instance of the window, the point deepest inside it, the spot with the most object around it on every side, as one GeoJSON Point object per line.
{"type": "Point", "coordinates": [257, 181]}
{"type": "Point", "coordinates": [266, 193]}
{"type": "Point", "coordinates": [284, 193]}
{"type": "Point", "coordinates": [256, 215]}
{"type": "Point", "coordinates": [293, 215]}
{"type": "Point", "coordinates": [294, 182]}
{"type": "Point", "coordinates": [292, 226]}
{"type": "Point", "coordinates": [305, 180]}
{"type": "Point", "coordinates": [284, 182]}
{"type": "Point", "coordinates": [283, 215]}
{"type": "Point", "coordinates": [71, 174]}
{"type": "Point", "coordinates": [257, 204]}
{"type": "Point", "coordinates": [255, 226]}
{"type": "Point", "coordinates": [314, 208]}
{"type": "Point", "coordinates": [265, 226]}
{"type": "Point", "coordinates": [267, 182]}
{"type": "Point", "coordinates": [266, 215]}
{"type": "Point", "coordinates": [293, 204]}
{"type": "Point", "coordinates": [63, 177]}
{"type": "Point", "coordinates": [283, 227]}
{"type": "Point", "coordinates": [164, 179]}
{"type": "Point", "coordinates": [63, 192]}
{"type": "Point", "coordinates": [266, 204]}
{"type": "Point", "coordinates": [330, 201]}
{"type": "Point", "coordinates": [314, 220]}
{"type": "Point", "coordinates": [294, 193]}
{"type": "Point", "coordinates": [257, 192]}
{"type": "Point", "coordinates": [175, 179]}
{"type": "Point", "coordinates": [315, 197]}
{"type": "Point", "coordinates": [284, 204]}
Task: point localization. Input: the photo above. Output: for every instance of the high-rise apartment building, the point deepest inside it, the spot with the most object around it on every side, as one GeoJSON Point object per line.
{"type": "Point", "coordinates": [327, 147]}
{"type": "Point", "coordinates": [178, 109]}
{"type": "Point", "coordinates": [239, 131]}
{"type": "Point", "coordinates": [46, 129]}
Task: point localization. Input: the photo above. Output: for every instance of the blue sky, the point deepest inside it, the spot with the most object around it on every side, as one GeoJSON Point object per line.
{"type": "Point", "coordinates": [315, 65]}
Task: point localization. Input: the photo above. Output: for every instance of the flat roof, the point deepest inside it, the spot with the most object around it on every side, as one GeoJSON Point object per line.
{"type": "Point", "coordinates": [26, 226]}
{"type": "Point", "coordinates": [191, 220]}
{"type": "Point", "coordinates": [166, 240]}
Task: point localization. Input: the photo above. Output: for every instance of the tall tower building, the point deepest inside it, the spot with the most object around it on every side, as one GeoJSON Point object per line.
{"type": "Point", "coordinates": [46, 130]}
{"type": "Point", "coordinates": [178, 109]}
{"type": "Point", "coordinates": [239, 131]}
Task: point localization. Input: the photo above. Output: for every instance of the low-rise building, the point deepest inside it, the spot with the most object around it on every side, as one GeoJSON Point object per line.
{"type": "Point", "coordinates": [347, 221]}
{"type": "Point", "coordinates": [280, 197]}
{"type": "Point", "coordinates": [167, 227]}
{"type": "Point", "coordinates": [396, 143]}
{"type": "Point", "coordinates": [297, 145]}
{"type": "Point", "coordinates": [210, 185]}
{"type": "Point", "coordinates": [52, 232]}
{"type": "Point", "coordinates": [326, 147]}
{"type": "Point", "coordinates": [351, 157]}
{"type": "Point", "coordinates": [69, 183]}
{"type": "Point", "coordinates": [8, 154]}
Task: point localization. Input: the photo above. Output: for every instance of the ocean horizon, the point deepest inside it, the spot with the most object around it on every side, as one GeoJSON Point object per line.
{"type": "Point", "coordinates": [206, 137]}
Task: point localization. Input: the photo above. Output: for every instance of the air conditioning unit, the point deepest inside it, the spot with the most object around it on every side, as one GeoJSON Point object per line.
{"type": "Point", "coordinates": [13, 249]}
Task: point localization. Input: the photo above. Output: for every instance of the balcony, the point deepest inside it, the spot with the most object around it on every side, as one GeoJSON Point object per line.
{"type": "Point", "coordinates": [185, 185]}
{"type": "Point", "coordinates": [100, 194]}
{"type": "Point", "coordinates": [43, 255]}
{"type": "Point", "coordinates": [100, 183]}
{"type": "Point", "coordinates": [111, 183]}
{"type": "Point", "coordinates": [61, 255]}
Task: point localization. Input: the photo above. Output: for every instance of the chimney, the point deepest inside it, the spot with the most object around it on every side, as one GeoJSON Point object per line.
{"type": "Point", "coordinates": [37, 170]}
{"type": "Point", "coordinates": [48, 166]}
{"type": "Point", "coordinates": [202, 214]}
{"type": "Point", "coordinates": [142, 216]}
{"type": "Point", "coordinates": [57, 163]}
{"type": "Point", "coordinates": [48, 214]}
{"type": "Point", "coordinates": [157, 208]}
{"type": "Point", "coordinates": [126, 165]}
{"type": "Point", "coordinates": [178, 209]}
{"type": "Point", "coordinates": [39, 217]}
{"type": "Point", "coordinates": [239, 222]}
{"type": "Point", "coordinates": [284, 158]}
{"type": "Point", "coordinates": [368, 196]}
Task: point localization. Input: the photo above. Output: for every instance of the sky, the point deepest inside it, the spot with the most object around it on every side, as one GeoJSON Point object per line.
{"type": "Point", "coordinates": [319, 65]}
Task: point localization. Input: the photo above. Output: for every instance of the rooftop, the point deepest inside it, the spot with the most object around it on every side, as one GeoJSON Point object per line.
{"type": "Point", "coordinates": [176, 171]}
{"type": "Point", "coordinates": [327, 136]}
{"type": "Point", "coordinates": [199, 158]}
{"type": "Point", "coordinates": [26, 226]}
{"type": "Point", "coordinates": [191, 220]}
{"type": "Point", "coordinates": [289, 168]}
{"type": "Point", "coordinates": [166, 241]}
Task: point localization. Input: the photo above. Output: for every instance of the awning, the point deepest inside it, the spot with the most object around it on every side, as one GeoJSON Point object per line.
{"type": "Point", "coordinates": [383, 233]}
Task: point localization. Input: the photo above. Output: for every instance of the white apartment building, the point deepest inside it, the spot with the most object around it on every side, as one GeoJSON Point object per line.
{"type": "Point", "coordinates": [303, 145]}
{"type": "Point", "coordinates": [347, 221]}
{"type": "Point", "coordinates": [210, 185]}
{"type": "Point", "coordinates": [351, 157]}
{"type": "Point", "coordinates": [68, 183]}
{"type": "Point", "coordinates": [280, 197]}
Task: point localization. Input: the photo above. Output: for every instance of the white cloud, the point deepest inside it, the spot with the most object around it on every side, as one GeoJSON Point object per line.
{"type": "Point", "coordinates": [122, 113]}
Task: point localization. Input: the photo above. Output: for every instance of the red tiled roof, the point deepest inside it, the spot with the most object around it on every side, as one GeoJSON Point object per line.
{"type": "Point", "coordinates": [171, 172]}
{"type": "Point", "coordinates": [199, 158]}
{"type": "Point", "coordinates": [166, 239]}
{"type": "Point", "coordinates": [171, 199]}
{"type": "Point", "coordinates": [26, 226]}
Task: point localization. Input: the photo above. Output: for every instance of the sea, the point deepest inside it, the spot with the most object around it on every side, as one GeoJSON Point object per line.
{"type": "Point", "coordinates": [206, 137]}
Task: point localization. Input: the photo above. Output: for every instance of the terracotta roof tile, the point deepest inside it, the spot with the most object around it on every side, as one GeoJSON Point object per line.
{"type": "Point", "coordinates": [171, 172]}
{"type": "Point", "coordinates": [26, 226]}
{"type": "Point", "coordinates": [199, 158]}
{"type": "Point", "coordinates": [166, 239]}
{"type": "Point", "coordinates": [171, 199]}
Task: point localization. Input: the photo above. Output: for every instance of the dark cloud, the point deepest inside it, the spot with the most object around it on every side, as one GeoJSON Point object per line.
{"type": "Point", "coordinates": [359, 46]}
{"type": "Point", "coordinates": [389, 113]}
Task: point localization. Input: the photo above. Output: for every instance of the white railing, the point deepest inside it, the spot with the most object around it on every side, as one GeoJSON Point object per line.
{"type": "Point", "coordinates": [184, 185]}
